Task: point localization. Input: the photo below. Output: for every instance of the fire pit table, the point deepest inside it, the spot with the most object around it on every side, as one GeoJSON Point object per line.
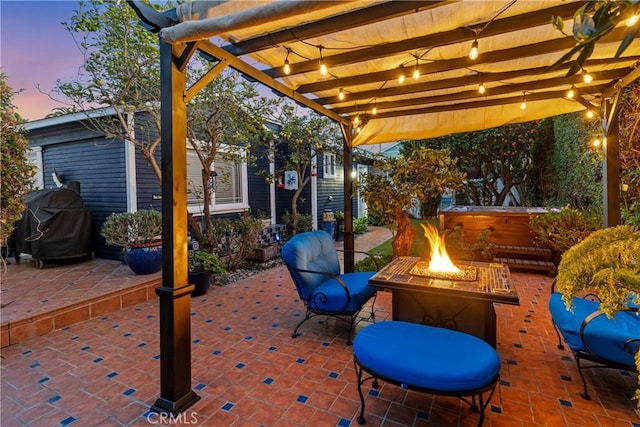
{"type": "Point", "coordinates": [463, 304]}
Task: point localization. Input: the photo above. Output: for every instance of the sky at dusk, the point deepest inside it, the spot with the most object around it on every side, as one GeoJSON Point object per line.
{"type": "Point", "coordinates": [35, 49]}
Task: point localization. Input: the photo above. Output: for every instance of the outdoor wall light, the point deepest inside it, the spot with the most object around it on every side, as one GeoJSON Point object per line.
{"type": "Point", "coordinates": [473, 53]}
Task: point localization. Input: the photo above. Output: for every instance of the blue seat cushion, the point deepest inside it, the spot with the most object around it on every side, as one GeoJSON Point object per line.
{"type": "Point", "coordinates": [568, 322]}
{"type": "Point", "coordinates": [330, 296]}
{"type": "Point", "coordinates": [426, 357]}
{"type": "Point", "coordinates": [603, 337]}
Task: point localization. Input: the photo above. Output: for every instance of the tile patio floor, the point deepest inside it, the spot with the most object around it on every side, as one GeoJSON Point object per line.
{"type": "Point", "coordinates": [248, 371]}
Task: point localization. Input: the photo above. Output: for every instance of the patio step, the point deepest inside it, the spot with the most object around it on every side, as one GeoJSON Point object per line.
{"type": "Point", "coordinates": [530, 251]}
{"type": "Point", "coordinates": [528, 264]}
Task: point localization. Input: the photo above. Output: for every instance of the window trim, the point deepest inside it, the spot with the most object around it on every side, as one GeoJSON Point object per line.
{"type": "Point", "coordinates": [197, 209]}
{"type": "Point", "coordinates": [329, 163]}
{"type": "Point", "coordinates": [34, 157]}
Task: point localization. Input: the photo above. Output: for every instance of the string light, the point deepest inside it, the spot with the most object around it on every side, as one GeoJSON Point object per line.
{"type": "Point", "coordinates": [596, 143]}
{"type": "Point", "coordinates": [481, 87]}
{"type": "Point", "coordinates": [323, 66]}
{"type": "Point", "coordinates": [633, 20]}
{"type": "Point", "coordinates": [401, 76]}
{"type": "Point", "coordinates": [341, 94]}
{"type": "Point", "coordinates": [589, 114]}
{"type": "Point", "coordinates": [374, 110]}
{"type": "Point", "coordinates": [586, 77]}
{"type": "Point", "coordinates": [416, 73]}
{"type": "Point", "coordinates": [473, 53]}
{"type": "Point", "coordinates": [523, 104]}
{"type": "Point", "coordinates": [571, 93]}
{"type": "Point", "coordinates": [287, 67]}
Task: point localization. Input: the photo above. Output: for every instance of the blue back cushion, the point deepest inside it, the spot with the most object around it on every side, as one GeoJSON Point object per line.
{"type": "Point", "coordinates": [312, 250]}
{"type": "Point", "coordinates": [604, 337]}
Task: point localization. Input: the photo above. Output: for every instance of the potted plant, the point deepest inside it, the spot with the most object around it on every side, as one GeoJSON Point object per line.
{"type": "Point", "coordinates": [264, 218]}
{"type": "Point", "coordinates": [202, 265]}
{"type": "Point", "coordinates": [140, 235]}
{"type": "Point", "coordinates": [606, 263]}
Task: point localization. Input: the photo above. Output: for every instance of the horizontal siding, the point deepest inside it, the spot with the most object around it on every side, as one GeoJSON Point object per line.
{"type": "Point", "coordinates": [99, 168]}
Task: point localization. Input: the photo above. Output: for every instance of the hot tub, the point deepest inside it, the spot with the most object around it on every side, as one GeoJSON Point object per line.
{"type": "Point", "coordinates": [510, 223]}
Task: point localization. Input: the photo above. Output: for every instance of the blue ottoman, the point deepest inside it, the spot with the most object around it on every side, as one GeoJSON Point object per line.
{"type": "Point", "coordinates": [426, 358]}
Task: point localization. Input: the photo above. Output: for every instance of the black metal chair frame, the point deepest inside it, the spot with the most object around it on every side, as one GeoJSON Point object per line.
{"type": "Point", "coordinates": [589, 355]}
{"type": "Point", "coordinates": [479, 407]}
{"type": "Point", "coordinates": [322, 298]}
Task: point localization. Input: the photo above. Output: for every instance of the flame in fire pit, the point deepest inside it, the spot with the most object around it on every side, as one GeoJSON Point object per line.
{"type": "Point", "coordinates": [440, 261]}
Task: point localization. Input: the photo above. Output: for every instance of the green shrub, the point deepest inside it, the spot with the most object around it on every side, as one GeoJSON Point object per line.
{"type": "Point", "coordinates": [561, 229]}
{"type": "Point", "coordinates": [360, 225]}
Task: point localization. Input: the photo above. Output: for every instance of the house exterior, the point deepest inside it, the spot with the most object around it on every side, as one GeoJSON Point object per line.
{"type": "Point", "coordinates": [113, 176]}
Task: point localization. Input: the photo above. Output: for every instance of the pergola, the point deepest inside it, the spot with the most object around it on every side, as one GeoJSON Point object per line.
{"type": "Point", "coordinates": [384, 71]}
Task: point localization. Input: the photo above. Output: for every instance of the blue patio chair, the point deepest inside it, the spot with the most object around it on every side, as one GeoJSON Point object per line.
{"type": "Point", "coordinates": [312, 260]}
{"type": "Point", "coordinates": [592, 336]}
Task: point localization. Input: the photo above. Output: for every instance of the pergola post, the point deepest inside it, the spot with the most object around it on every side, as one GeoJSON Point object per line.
{"type": "Point", "coordinates": [175, 293]}
{"type": "Point", "coordinates": [349, 240]}
{"type": "Point", "coordinates": [611, 163]}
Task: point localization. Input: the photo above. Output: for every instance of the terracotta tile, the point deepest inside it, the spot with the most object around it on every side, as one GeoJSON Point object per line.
{"type": "Point", "coordinates": [69, 317]}
{"type": "Point", "coordinates": [105, 305]}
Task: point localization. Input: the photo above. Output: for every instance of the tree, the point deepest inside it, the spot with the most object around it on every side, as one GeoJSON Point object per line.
{"type": "Point", "coordinates": [496, 160]}
{"type": "Point", "coordinates": [121, 72]}
{"type": "Point", "coordinates": [592, 21]}
{"type": "Point", "coordinates": [301, 138]}
{"type": "Point", "coordinates": [16, 174]}
{"type": "Point", "coordinates": [629, 119]}
{"type": "Point", "coordinates": [224, 119]}
{"type": "Point", "coordinates": [395, 183]}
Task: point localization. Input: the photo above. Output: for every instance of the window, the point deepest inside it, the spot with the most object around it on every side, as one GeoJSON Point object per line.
{"type": "Point", "coordinates": [229, 190]}
{"type": "Point", "coordinates": [34, 156]}
{"type": "Point", "coordinates": [329, 165]}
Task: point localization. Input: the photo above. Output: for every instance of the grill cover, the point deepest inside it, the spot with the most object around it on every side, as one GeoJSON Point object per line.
{"type": "Point", "coordinates": [54, 225]}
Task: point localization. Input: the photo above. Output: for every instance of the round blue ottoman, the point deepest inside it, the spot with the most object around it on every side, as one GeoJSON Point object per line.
{"type": "Point", "coordinates": [426, 358]}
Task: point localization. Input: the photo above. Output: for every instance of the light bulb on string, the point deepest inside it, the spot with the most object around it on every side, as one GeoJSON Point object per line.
{"type": "Point", "coordinates": [341, 94]}
{"type": "Point", "coordinates": [323, 67]}
{"type": "Point", "coordinates": [473, 53]}
{"type": "Point", "coordinates": [571, 93]}
{"type": "Point", "coordinates": [374, 110]}
{"type": "Point", "coordinates": [633, 20]}
{"type": "Point", "coordinates": [586, 77]}
{"type": "Point", "coordinates": [589, 114]}
{"type": "Point", "coordinates": [416, 73]}
{"type": "Point", "coordinates": [287, 67]}
{"type": "Point", "coordinates": [481, 88]}
{"type": "Point", "coordinates": [523, 104]}
{"type": "Point", "coordinates": [401, 76]}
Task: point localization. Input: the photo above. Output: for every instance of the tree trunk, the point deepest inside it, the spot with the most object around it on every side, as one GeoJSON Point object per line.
{"type": "Point", "coordinates": [405, 236]}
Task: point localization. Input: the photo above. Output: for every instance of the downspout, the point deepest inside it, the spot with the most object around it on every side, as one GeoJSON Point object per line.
{"type": "Point", "coordinates": [131, 179]}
